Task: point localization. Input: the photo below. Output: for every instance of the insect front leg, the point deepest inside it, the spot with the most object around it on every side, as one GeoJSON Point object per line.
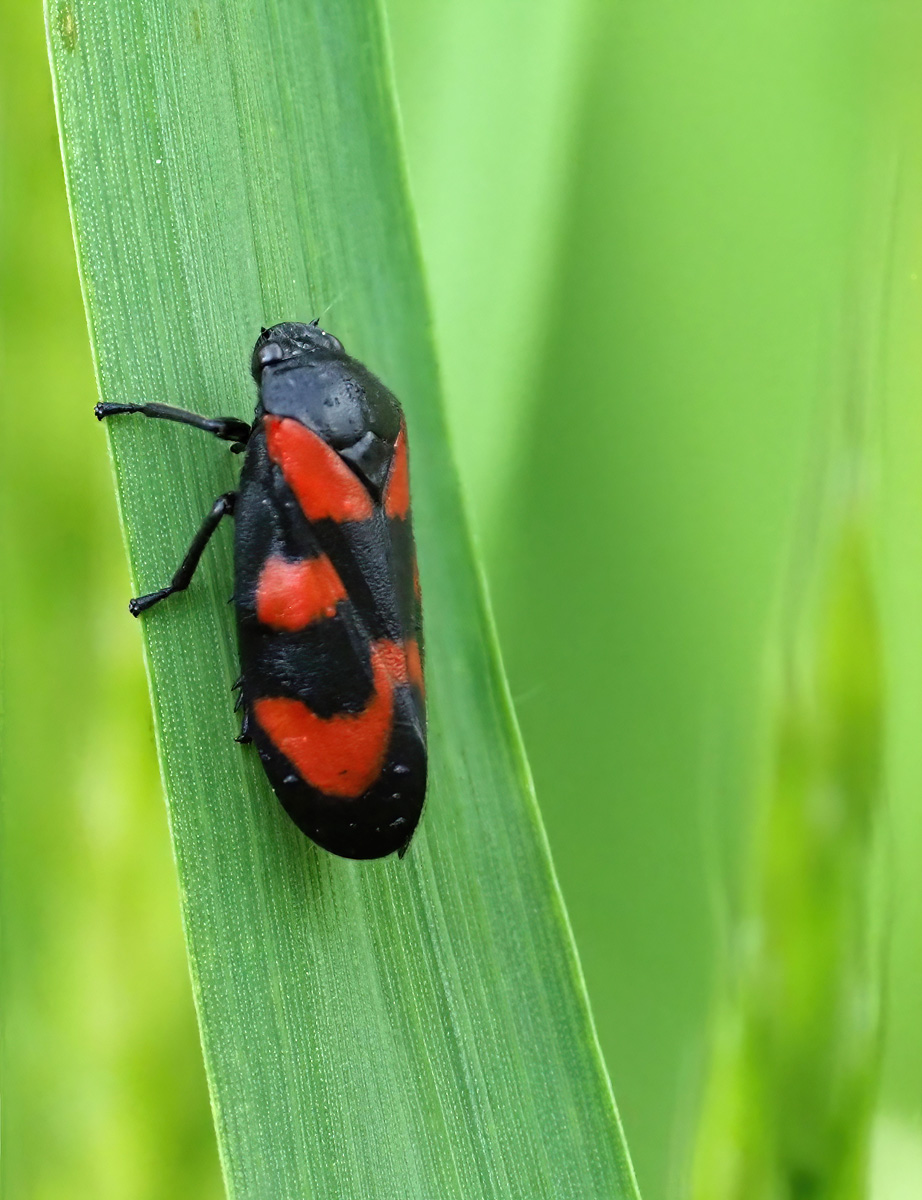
{"type": "Point", "coordinates": [229, 429]}
{"type": "Point", "coordinates": [222, 507]}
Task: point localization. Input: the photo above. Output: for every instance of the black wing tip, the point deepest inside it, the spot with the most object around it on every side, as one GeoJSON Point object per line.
{"type": "Point", "coordinates": [352, 841]}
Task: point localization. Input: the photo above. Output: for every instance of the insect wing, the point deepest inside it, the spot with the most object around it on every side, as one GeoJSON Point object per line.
{"type": "Point", "coordinates": [330, 642]}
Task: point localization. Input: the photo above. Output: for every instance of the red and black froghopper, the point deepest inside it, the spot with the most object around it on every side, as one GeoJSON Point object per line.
{"type": "Point", "coordinates": [326, 591]}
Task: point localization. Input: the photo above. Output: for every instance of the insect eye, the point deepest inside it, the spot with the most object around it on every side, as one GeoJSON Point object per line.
{"type": "Point", "coordinates": [270, 353]}
{"type": "Point", "coordinates": [333, 342]}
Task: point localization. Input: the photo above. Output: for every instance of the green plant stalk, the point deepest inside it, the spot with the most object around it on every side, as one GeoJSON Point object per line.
{"type": "Point", "coordinates": [793, 1080]}
{"type": "Point", "coordinates": [415, 1028]}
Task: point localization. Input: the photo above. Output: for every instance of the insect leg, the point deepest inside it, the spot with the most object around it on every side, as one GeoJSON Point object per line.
{"type": "Point", "coordinates": [222, 507]}
{"type": "Point", "coordinates": [229, 429]}
{"type": "Point", "coordinates": [246, 729]}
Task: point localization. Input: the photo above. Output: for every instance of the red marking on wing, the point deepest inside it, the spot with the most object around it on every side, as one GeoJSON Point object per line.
{"type": "Point", "coordinates": [414, 664]}
{"type": "Point", "coordinates": [321, 481]}
{"type": "Point", "coordinates": [397, 492]}
{"type": "Point", "coordinates": [402, 662]}
{"type": "Point", "coordinates": [291, 595]}
{"type": "Point", "coordinates": [340, 755]}
{"type": "Point", "coordinates": [394, 660]}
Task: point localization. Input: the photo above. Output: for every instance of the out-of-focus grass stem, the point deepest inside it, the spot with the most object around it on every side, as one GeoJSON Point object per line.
{"type": "Point", "coordinates": [792, 1082]}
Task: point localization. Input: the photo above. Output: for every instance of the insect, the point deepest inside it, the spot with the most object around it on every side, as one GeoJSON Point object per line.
{"type": "Point", "coordinates": [326, 591]}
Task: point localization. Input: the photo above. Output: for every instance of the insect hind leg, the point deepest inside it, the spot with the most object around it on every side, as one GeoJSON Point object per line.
{"type": "Point", "coordinates": [245, 736]}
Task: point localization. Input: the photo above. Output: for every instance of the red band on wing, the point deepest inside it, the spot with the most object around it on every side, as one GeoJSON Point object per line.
{"type": "Point", "coordinates": [291, 595]}
{"type": "Point", "coordinates": [397, 492]}
{"type": "Point", "coordinates": [394, 660]}
{"type": "Point", "coordinates": [321, 481]}
{"type": "Point", "coordinates": [340, 755]}
{"type": "Point", "coordinates": [402, 662]}
{"type": "Point", "coordinates": [414, 664]}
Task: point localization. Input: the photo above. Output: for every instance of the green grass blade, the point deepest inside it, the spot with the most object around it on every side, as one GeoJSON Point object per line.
{"type": "Point", "coordinates": [489, 93]}
{"type": "Point", "coordinates": [415, 1028]}
{"type": "Point", "coordinates": [104, 1091]}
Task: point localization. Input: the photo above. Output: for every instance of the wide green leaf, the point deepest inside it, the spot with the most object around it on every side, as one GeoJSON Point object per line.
{"type": "Point", "coordinates": [414, 1028]}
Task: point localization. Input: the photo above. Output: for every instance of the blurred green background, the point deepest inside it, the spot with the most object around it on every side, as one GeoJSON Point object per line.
{"type": "Point", "coordinates": [673, 252]}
